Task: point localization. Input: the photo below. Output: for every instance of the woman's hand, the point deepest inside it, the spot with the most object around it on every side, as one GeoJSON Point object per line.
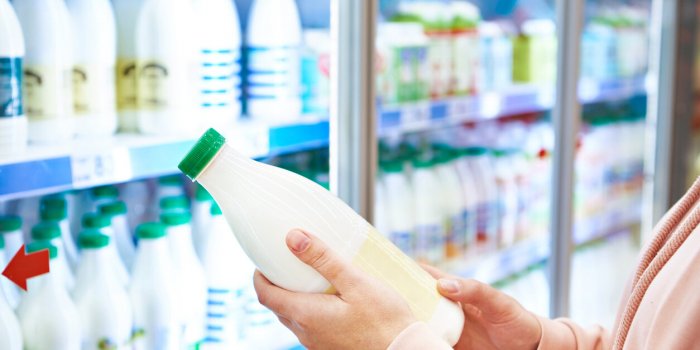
{"type": "Point", "coordinates": [493, 320]}
{"type": "Point", "coordinates": [363, 314]}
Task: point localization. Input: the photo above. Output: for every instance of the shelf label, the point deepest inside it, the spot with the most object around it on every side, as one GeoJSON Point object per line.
{"type": "Point", "coordinates": [415, 113]}
{"type": "Point", "coordinates": [98, 168]}
{"type": "Point", "coordinates": [462, 108]}
{"type": "Point", "coordinates": [250, 140]}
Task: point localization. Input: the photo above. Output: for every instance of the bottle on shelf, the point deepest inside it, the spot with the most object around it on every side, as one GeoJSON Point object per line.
{"type": "Point", "coordinates": [50, 231]}
{"type": "Point", "coordinates": [191, 285]}
{"type": "Point", "coordinates": [103, 224]}
{"type": "Point", "coordinates": [102, 302]}
{"type": "Point", "coordinates": [169, 186]}
{"type": "Point", "coordinates": [400, 211]}
{"type": "Point", "coordinates": [48, 317]}
{"type": "Point", "coordinates": [117, 211]}
{"type": "Point", "coordinates": [153, 300]}
{"type": "Point", "coordinates": [11, 235]}
{"type": "Point", "coordinates": [477, 162]}
{"type": "Point", "coordinates": [48, 63]}
{"type": "Point", "coordinates": [175, 204]}
{"type": "Point", "coordinates": [465, 47]}
{"type": "Point", "coordinates": [10, 333]}
{"type": "Point", "coordinates": [226, 174]}
{"type": "Point", "coordinates": [315, 71]}
{"type": "Point", "coordinates": [201, 218]}
{"type": "Point", "coordinates": [429, 211]}
{"type": "Point", "coordinates": [273, 53]}
{"type": "Point", "coordinates": [55, 209]}
{"type": "Point", "coordinates": [95, 54]}
{"type": "Point", "coordinates": [13, 120]}
{"type": "Point", "coordinates": [166, 71]}
{"type": "Point", "coordinates": [126, 14]}
{"type": "Point", "coordinates": [103, 195]}
{"type": "Point", "coordinates": [453, 202]}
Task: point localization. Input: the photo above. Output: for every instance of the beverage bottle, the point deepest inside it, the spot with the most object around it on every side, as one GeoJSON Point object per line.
{"type": "Point", "coordinates": [126, 14]}
{"type": "Point", "coordinates": [428, 211]}
{"type": "Point", "coordinates": [13, 119]}
{"type": "Point", "coordinates": [236, 182]}
{"type": "Point", "coordinates": [191, 285]}
{"type": "Point", "coordinates": [47, 315]}
{"type": "Point", "coordinates": [117, 211]}
{"type": "Point", "coordinates": [11, 239]}
{"type": "Point", "coordinates": [174, 204]}
{"type": "Point", "coordinates": [56, 210]}
{"type": "Point", "coordinates": [201, 218]}
{"type": "Point", "coordinates": [103, 195]}
{"type": "Point", "coordinates": [101, 300]}
{"type": "Point", "coordinates": [48, 65]}
{"type": "Point", "coordinates": [103, 224]}
{"type": "Point", "coordinates": [400, 209]}
{"type": "Point", "coordinates": [95, 54]}
{"type": "Point", "coordinates": [152, 292]}
{"type": "Point", "coordinates": [10, 333]}
{"type": "Point", "coordinates": [453, 202]}
{"type": "Point", "coordinates": [50, 231]}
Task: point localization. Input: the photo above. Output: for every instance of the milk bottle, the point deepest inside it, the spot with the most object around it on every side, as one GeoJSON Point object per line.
{"type": "Point", "coordinates": [50, 231]}
{"type": "Point", "coordinates": [201, 218]}
{"type": "Point", "coordinates": [453, 202]}
{"type": "Point", "coordinates": [126, 14]}
{"type": "Point", "coordinates": [117, 211]}
{"type": "Point", "coordinates": [103, 195]}
{"type": "Point", "coordinates": [57, 211]}
{"type": "Point", "coordinates": [400, 209]}
{"type": "Point", "coordinates": [10, 333]}
{"type": "Point", "coordinates": [11, 231]}
{"type": "Point", "coordinates": [152, 292]}
{"type": "Point", "coordinates": [13, 120]}
{"type": "Point", "coordinates": [102, 302]}
{"type": "Point", "coordinates": [428, 211]}
{"type": "Point", "coordinates": [242, 187]}
{"type": "Point", "coordinates": [191, 285]}
{"type": "Point", "coordinates": [103, 224]}
{"type": "Point", "coordinates": [47, 315]}
{"type": "Point", "coordinates": [8, 291]}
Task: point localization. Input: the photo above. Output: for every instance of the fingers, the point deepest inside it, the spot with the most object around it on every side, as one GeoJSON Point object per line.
{"type": "Point", "coordinates": [486, 298]}
{"type": "Point", "coordinates": [281, 301]}
{"type": "Point", "coordinates": [313, 252]}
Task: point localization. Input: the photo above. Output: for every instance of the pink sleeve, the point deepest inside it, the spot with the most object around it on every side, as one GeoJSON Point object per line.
{"type": "Point", "coordinates": [564, 334]}
{"type": "Point", "coordinates": [418, 337]}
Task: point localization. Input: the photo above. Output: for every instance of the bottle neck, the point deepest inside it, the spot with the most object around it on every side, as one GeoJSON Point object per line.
{"type": "Point", "coordinates": [153, 256]}
{"type": "Point", "coordinates": [48, 281]}
{"type": "Point", "coordinates": [182, 248]}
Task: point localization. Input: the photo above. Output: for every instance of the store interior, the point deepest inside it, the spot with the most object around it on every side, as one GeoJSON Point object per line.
{"type": "Point", "coordinates": [100, 101]}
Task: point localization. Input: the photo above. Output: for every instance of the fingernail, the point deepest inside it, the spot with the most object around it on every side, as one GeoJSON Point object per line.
{"type": "Point", "coordinates": [298, 240]}
{"type": "Point", "coordinates": [449, 286]}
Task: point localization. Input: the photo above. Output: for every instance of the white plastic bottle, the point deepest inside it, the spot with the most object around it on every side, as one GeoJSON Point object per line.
{"type": "Point", "coordinates": [470, 194]}
{"type": "Point", "coordinates": [243, 186]}
{"type": "Point", "coordinates": [48, 97]}
{"type": "Point", "coordinates": [508, 195]}
{"type": "Point", "coordinates": [152, 292]}
{"type": "Point", "coordinates": [103, 224]}
{"type": "Point", "coordinates": [453, 203]}
{"type": "Point", "coordinates": [11, 239]}
{"type": "Point", "coordinates": [191, 285]}
{"type": "Point", "coordinates": [103, 195]}
{"type": "Point", "coordinates": [126, 13]}
{"type": "Point", "coordinates": [477, 160]}
{"type": "Point", "coordinates": [219, 53]}
{"type": "Point", "coordinates": [47, 315]}
{"type": "Point", "coordinates": [117, 211]}
{"type": "Point", "coordinates": [429, 212]}
{"type": "Point", "coordinates": [273, 39]}
{"type": "Point", "coordinates": [201, 218]}
{"type": "Point", "coordinates": [224, 286]}
{"type": "Point", "coordinates": [10, 333]}
{"type": "Point", "coordinates": [381, 217]}
{"type": "Point", "coordinates": [400, 208]}
{"type": "Point", "coordinates": [102, 302]}
{"type": "Point", "coordinates": [13, 120]}
{"type": "Point", "coordinates": [50, 231]}
{"type": "Point", "coordinates": [95, 54]}
{"type": "Point", "coordinates": [57, 211]}
{"type": "Point", "coordinates": [166, 68]}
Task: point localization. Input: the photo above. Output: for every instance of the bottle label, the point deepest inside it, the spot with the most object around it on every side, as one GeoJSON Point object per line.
{"type": "Point", "coordinates": [47, 92]}
{"type": "Point", "coordinates": [430, 242]}
{"type": "Point", "coordinates": [220, 83]}
{"type": "Point", "coordinates": [221, 305]}
{"type": "Point", "coordinates": [403, 240]}
{"type": "Point", "coordinates": [487, 221]}
{"type": "Point", "coordinates": [93, 90]}
{"type": "Point", "coordinates": [153, 86]}
{"type": "Point", "coordinates": [11, 87]}
{"type": "Point", "coordinates": [456, 234]}
{"type": "Point", "coordinates": [273, 73]}
{"type": "Point", "coordinates": [127, 82]}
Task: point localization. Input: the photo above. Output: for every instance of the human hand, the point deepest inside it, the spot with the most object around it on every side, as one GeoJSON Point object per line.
{"type": "Point", "coordinates": [363, 314]}
{"type": "Point", "coordinates": [493, 320]}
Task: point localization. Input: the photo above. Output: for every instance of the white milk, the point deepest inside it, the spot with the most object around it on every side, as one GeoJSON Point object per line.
{"type": "Point", "coordinates": [47, 315]}
{"type": "Point", "coordinates": [478, 164]}
{"type": "Point", "coordinates": [103, 223]}
{"type": "Point", "coordinates": [470, 197]}
{"type": "Point", "coordinates": [48, 65]}
{"type": "Point", "coordinates": [273, 79]}
{"type": "Point", "coordinates": [56, 210]}
{"type": "Point", "coordinates": [454, 205]}
{"type": "Point", "coordinates": [381, 216]}
{"type": "Point", "coordinates": [10, 333]}
{"type": "Point", "coordinates": [11, 231]}
{"type": "Point", "coordinates": [428, 212]}
{"type": "Point", "coordinates": [95, 54]}
{"type": "Point", "coordinates": [508, 195]}
{"type": "Point", "coordinates": [13, 120]}
{"type": "Point", "coordinates": [8, 291]}
{"type": "Point", "coordinates": [201, 218]}
{"type": "Point", "coordinates": [102, 302]}
{"type": "Point", "coordinates": [219, 52]}
{"type": "Point", "coordinates": [50, 231]}
{"type": "Point", "coordinates": [117, 211]}
{"type": "Point", "coordinates": [191, 285]}
{"type": "Point", "coordinates": [165, 67]}
{"type": "Point", "coordinates": [152, 292]}
{"type": "Point", "coordinates": [400, 207]}
{"type": "Point", "coordinates": [126, 13]}
{"type": "Point", "coordinates": [249, 192]}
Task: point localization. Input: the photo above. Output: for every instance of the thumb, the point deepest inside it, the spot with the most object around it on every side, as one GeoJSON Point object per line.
{"type": "Point", "coordinates": [313, 252]}
{"type": "Point", "coordinates": [491, 302]}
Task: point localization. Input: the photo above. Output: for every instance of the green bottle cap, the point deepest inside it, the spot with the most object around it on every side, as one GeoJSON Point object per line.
{"type": "Point", "coordinates": [421, 163]}
{"type": "Point", "coordinates": [474, 151]}
{"type": "Point", "coordinates": [113, 209]}
{"type": "Point", "coordinates": [92, 239]}
{"type": "Point", "coordinates": [96, 221]}
{"type": "Point", "coordinates": [174, 203]}
{"type": "Point", "coordinates": [2, 242]}
{"type": "Point", "coordinates": [175, 218]}
{"type": "Point", "coordinates": [43, 245]}
{"type": "Point", "coordinates": [56, 213]}
{"type": "Point", "coordinates": [172, 180]}
{"type": "Point", "coordinates": [201, 194]}
{"type": "Point", "coordinates": [150, 230]}
{"type": "Point", "coordinates": [393, 167]}
{"type": "Point", "coordinates": [46, 230]}
{"type": "Point", "coordinates": [108, 191]}
{"type": "Point", "coordinates": [215, 210]}
{"type": "Point", "coordinates": [53, 201]}
{"type": "Point", "coordinates": [9, 223]}
{"type": "Point", "coordinates": [202, 153]}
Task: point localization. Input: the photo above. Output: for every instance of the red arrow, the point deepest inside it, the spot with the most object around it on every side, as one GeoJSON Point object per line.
{"type": "Point", "coordinates": [25, 266]}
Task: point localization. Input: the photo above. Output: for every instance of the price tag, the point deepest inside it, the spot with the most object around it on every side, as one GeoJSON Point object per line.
{"type": "Point", "coordinates": [97, 168]}
{"type": "Point", "coordinates": [250, 140]}
{"type": "Point", "coordinates": [460, 108]}
{"type": "Point", "coordinates": [415, 113]}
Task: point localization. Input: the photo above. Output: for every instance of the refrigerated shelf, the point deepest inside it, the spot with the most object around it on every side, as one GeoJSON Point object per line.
{"type": "Point", "coordinates": [518, 99]}
{"type": "Point", "coordinates": [125, 157]}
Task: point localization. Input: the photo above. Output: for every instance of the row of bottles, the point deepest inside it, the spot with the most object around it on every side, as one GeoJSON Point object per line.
{"type": "Point", "coordinates": [166, 284]}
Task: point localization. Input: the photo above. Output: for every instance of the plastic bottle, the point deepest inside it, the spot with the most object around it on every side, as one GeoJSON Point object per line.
{"type": "Point", "coordinates": [174, 204]}
{"type": "Point", "coordinates": [166, 69]}
{"type": "Point", "coordinates": [315, 71]}
{"type": "Point", "coordinates": [48, 317]}
{"type": "Point", "coordinates": [191, 285]}
{"type": "Point", "coordinates": [13, 120]}
{"type": "Point", "coordinates": [428, 212]}
{"type": "Point", "coordinates": [496, 61]}
{"type": "Point", "coordinates": [478, 163]}
{"type": "Point", "coordinates": [50, 231]}
{"type": "Point", "coordinates": [103, 224]}
{"type": "Point", "coordinates": [201, 219]}
{"type": "Point", "coordinates": [381, 216]}
{"type": "Point", "coordinates": [235, 182]}
{"type": "Point", "coordinates": [102, 302]}
{"type": "Point", "coordinates": [117, 211]}
{"type": "Point", "coordinates": [103, 195]}
{"type": "Point", "coordinates": [400, 207]}
{"type": "Point", "coordinates": [273, 40]}
{"type": "Point", "coordinates": [56, 210]}
{"type": "Point", "coordinates": [48, 97]}
{"type": "Point", "coordinates": [95, 54]}
{"type": "Point", "coordinates": [10, 333]}
{"type": "Point", "coordinates": [153, 300]}
{"type": "Point", "coordinates": [11, 236]}
{"type": "Point", "coordinates": [465, 47]}
{"type": "Point", "coordinates": [219, 53]}
{"type": "Point", "coordinates": [470, 197]}
{"type": "Point", "coordinates": [508, 195]}
{"type": "Point", "coordinates": [224, 287]}
{"type": "Point", "coordinates": [126, 14]}
{"type": "Point", "coordinates": [453, 203]}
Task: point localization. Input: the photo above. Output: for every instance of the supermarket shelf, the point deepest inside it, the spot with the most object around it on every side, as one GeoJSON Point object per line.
{"type": "Point", "coordinates": [518, 99]}
{"type": "Point", "coordinates": [125, 157]}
